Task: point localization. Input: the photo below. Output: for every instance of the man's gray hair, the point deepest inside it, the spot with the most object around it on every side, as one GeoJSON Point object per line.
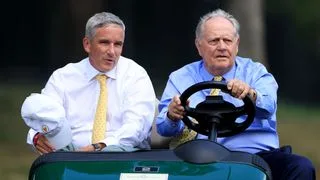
{"type": "Point", "coordinates": [100, 20]}
{"type": "Point", "coordinates": [213, 14]}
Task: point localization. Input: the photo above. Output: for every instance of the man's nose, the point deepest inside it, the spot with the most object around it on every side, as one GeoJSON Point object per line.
{"type": "Point", "coordinates": [111, 50]}
{"type": "Point", "coordinates": [221, 44]}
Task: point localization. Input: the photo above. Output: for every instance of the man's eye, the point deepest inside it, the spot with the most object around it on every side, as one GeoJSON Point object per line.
{"type": "Point", "coordinates": [213, 41]}
{"type": "Point", "coordinates": [104, 42]}
{"type": "Point", "coordinates": [118, 44]}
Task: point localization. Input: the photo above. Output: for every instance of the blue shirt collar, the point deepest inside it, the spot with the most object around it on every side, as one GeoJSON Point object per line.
{"type": "Point", "coordinates": [207, 76]}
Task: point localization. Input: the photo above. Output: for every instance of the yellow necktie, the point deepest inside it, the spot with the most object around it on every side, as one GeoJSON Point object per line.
{"type": "Point", "coordinates": [215, 92]}
{"type": "Point", "coordinates": [100, 120]}
{"type": "Point", "coordinates": [186, 135]}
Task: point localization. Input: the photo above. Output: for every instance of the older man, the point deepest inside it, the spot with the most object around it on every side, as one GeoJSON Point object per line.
{"type": "Point", "coordinates": [217, 41]}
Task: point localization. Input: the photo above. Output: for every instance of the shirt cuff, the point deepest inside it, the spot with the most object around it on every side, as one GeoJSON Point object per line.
{"type": "Point", "coordinates": [110, 141]}
{"type": "Point", "coordinates": [170, 123]}
{"type": "Point", "coordinates": [30, 136]}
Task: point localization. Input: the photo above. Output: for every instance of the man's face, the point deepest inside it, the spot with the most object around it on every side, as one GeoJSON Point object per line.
{"type": "Point", "coordinates": [105, 48]}
{"type": "Point", "coordinates": [218, 45]}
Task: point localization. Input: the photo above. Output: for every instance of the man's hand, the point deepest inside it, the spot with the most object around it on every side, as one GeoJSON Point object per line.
{"type": "Point", "coordinates": [42, 144]}
{"type": "Point", "coordinates": [90, 148]}
{"type": "Point", "coordinates": [240, 89]}
{"type": "Point", "coordinates": [175, 110]}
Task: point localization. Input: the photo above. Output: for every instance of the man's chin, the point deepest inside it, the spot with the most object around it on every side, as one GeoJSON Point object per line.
{"type": "Point", "coordinates": [106, 68]}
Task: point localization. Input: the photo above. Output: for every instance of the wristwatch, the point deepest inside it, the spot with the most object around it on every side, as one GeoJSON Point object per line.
{"type": "Point", "coordinates": [96, 147]}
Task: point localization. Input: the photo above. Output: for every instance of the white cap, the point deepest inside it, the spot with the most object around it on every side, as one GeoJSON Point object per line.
{"type": "Point", "coordinates": [45, 115]}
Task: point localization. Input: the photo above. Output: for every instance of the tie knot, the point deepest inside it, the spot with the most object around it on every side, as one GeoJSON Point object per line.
{"type": "Point", "coordinates": [101, 77]}
{"type": "Point", "coordinates": [217, 78]}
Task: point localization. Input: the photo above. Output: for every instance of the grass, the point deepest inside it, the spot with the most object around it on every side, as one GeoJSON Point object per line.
{"type": "Point", "coordinates": [16, 156]}
{"type": "Point", "coordinates": [298, 126]}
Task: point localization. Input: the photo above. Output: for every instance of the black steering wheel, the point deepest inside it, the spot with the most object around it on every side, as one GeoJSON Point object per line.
{"type": "Point", "coordinates": [215, 114]}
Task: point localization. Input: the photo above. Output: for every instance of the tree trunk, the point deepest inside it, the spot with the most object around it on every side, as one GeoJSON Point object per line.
{"type": "Point", "coordinates": [250, 14]}
{"type": "Point", "coordinates": [67, 28]}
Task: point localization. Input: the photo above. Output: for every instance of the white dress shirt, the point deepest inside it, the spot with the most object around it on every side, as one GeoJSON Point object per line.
{"type": "Point", "coordinates": [131, 102]}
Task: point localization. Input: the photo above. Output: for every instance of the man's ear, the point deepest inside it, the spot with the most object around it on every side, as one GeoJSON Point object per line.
{"type": "Point", "coordinates": [238, 42]}
{"type": "Point", "coordinates": [197, 43]}
{"type": "Point", "coordinates": [86, 44]}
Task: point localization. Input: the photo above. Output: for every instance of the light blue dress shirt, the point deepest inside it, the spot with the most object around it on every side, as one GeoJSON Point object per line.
{"type": "Point", "coordinates": [262, 133]}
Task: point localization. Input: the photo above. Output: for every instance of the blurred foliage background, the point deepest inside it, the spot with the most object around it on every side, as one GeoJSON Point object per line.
{"type": "Point", "coordinates": [41, 36]}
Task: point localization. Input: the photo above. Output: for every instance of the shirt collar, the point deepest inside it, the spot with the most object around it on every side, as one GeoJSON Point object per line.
{"type": "Point", "coordinates": [208, 76]}
{"type": "Point", "coordinates": [230, 74]}
{"type": "Point", "coordinates": [91, 72]}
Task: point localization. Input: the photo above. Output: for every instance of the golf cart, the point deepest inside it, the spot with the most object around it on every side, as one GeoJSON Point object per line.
{"type": "Point", "coordinates": [201, 159]}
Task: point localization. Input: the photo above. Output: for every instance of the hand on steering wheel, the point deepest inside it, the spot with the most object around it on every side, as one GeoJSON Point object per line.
{"type": "Point", "coordinates": [216, 110]}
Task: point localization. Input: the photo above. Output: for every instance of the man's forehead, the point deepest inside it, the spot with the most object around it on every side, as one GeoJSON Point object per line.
{"type": "Point", "coordinates": [113, 32]}
{"type": "Point", "coordinates": [219, 22]}
{"type": "Point", "coordinates": [219, 26]}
